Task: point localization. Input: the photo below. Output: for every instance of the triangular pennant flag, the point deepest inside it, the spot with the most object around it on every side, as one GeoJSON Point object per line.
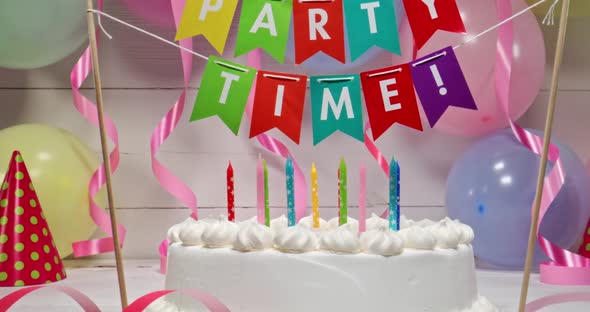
{"type": "Point", "coordinates": [278, 103]}
{"type": "Point", "coordinates": [319, 26]}
{"type": "Point", "coordinates": [264, 24]}
{"type": "Point", "coordinates": [390, 98]}
{"type": "Point", "coordinates": [224, 92]}
{"type": "Point", "coordinates": [336, 105]}
{"type": "Point", "coordinates": [211, 18]}
{"type": "Point", "coordinates": [428, 16]}
{"type": "Point", "coordinates": [371, 23]}
{"type": "Point", "coordinates": [440, 83]}
{"type": "Point", "coordinates": [27, 251]}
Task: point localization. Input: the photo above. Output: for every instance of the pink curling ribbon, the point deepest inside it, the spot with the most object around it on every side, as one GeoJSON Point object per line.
{"type": "Point", "coordinates": [210, 302]}
{"type": "Point", "coordinates": [82, 300]}
{"type": "Point", "coordinates": [277, 147]}
{"type": "Point", "coordinates": [566, 268]}
{"type": "Point", "coordinates": [166, 126]}
{"type": "Point", "coordinates": [88, 109]}
{"type": "Point", "coordinates": [378, 156]}
{"type": "Point", "coordinates": [543, 302]}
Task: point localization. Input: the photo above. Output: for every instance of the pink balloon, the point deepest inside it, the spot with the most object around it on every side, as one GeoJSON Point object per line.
{"type": "Point", "coordinates": [478, 59]}
{"type": "Point", "coordinates": [157, 12]}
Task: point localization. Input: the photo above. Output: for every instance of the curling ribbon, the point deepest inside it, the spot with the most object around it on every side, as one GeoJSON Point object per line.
{"type": "Point", "coordinates": [166, 126]}
{"type": "Point", "coordinates": [88, 109]}
{"type": "Point", "coordinates": [540, 303]}
{"type": "Point", "coordinates": [82, 300]}
{"type": "Point", "coordinates": [211, 303]}
{"type": "Point", "coordinates": [277, 147]}
{"type": "Point", "coordinates": [566, 268]}
{"type": "Point", "coordinates": [585, 247]}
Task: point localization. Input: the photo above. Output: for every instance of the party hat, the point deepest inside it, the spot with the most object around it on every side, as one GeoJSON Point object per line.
{"type": "Point", "coordinates": [27, 251]}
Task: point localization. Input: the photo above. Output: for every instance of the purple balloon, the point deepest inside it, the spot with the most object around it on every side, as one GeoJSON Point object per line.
{"type": "Point", "coordinates": [492, 186]}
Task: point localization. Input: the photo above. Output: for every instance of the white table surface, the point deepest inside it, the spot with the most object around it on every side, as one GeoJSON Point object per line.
{"type": "Point", "coordinates": [98, 281]}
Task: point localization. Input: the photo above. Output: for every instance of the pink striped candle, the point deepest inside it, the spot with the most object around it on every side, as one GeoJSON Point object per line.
{"type": "Point", "coordinates": [260, 191]}
{"type": "Point", "coordinates": [363, 199]}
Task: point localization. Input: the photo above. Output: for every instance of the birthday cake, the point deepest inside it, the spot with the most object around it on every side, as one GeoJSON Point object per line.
{"type": "Point", "coordinates": [426, 266]}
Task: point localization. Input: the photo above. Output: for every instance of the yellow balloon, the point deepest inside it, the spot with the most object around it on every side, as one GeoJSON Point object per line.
{"type": "Point", "coordinates": [60, 166]}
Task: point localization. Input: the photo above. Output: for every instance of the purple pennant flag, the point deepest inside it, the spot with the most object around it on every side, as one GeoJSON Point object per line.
{"type": "Point", "coordinates": [440, 83]}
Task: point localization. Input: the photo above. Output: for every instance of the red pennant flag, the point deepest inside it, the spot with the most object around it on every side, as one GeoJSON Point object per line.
{"type": "Point", "coordinates": [278, 103]}
{"type": "Point", "coordinates": [390, 98]}
{"type": "Point", "coordinates": [428, 16]}
{"type": "Point", "coordinates": [319, 27]}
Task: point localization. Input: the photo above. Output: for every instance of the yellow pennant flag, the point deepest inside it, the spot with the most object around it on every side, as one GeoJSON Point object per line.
{"type": "Point", "coordinates": [211, 18]}
{"type": "Point", "coordinates": [578, 8]}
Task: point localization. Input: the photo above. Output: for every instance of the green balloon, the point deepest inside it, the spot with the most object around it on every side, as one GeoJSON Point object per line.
{"type": "Point", "coordinates": [37, 33]}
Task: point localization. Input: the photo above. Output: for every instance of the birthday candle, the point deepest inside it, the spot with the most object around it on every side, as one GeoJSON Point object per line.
{"type": "Point", "coordinates": [339, 195]}
{"type": "Point", "coordinates": [266, 206]}
{"type": "Point", "coordinates": [362, 199]}
{"type": "Point", "coordinates": [315, 211]}
{"type": "Point", "coordinates": [343, 193]}
{"type": "Point", "coordinates": [231, 215]}
{"type": "Point", "coordinates": [398, 195]}
{"type": "Point", "coordinates": [393, 195]}
{"type": "Point", "coordinates": [260, 191]}
{"type": "Point", "coordinates": [290, 193]}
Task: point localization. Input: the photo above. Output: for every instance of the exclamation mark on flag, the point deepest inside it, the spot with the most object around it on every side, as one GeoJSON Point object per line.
{"type": "Point", "coordinates": [439, 82]}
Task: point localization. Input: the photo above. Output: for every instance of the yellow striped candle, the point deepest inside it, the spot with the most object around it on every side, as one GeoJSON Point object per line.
{"type": "Point", "coordinates": [315, 209]}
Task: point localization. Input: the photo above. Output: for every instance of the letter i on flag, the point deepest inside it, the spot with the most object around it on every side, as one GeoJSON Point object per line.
{"type": "Point", "coordinates": [336, 105]}
{"type": "Point", "coordinates": [390, 98]}
{"type": "Point", "coordinates": [371, 23]}
{"type": "Point", "coordinates": [428, 16]}
{"type": "Point", "coordinates": [319, 26]}
{"type": "Point", "coordinates": [264, 24]}
{"type": "Point", "coordinates": [278, 103]}
{"type": "Point", "coordinates": [212, 18]}
{"type": "Point", "coordinates": [440, 83]}
{"type": "Point", "coordinates": [224, 92]}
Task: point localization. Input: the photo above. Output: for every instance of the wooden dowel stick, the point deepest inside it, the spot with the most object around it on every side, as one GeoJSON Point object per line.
{"type": "Point", "coordinates": [105, 154]}
{"type": "Point", "coordinates": [546, 142]}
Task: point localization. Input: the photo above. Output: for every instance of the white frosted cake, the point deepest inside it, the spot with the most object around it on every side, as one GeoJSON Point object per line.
{"type": "Point", "coordinates": [426, 266]}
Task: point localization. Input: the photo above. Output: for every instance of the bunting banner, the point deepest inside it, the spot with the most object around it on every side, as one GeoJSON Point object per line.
{"type": "Point", "coordinates": [371, 23]}
{"type": "Point", "coordinates": [336, 105]}
{"type": "Point", "coordinates": [278, 103]}
{"type": "Point", "coordinates": [428, 16]}
{"type": "Point", "coordinates": [211, 18]}
{"type": "Point", "coordinates": [264, 24]}
{"type": "Point", "coordinates": [319, 26]}
{"type": "Point", "coordinates": [390, 98]}
{"type": "Point", "coordinates": [226, 93]}
{"type": "Point", "coordinates": [440, 83]}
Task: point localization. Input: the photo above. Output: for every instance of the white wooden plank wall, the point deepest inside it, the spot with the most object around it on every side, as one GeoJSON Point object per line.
{"type": "Point", "coordinates": [142, 79]}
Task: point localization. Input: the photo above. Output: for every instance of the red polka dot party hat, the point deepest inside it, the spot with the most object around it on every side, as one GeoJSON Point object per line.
{"type": "Point", "coordinates": [27, 251]}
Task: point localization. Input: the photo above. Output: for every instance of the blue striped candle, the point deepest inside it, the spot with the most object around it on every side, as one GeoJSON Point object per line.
{"type": "Point", "coordinates": [394, 195]}
{"type": "Point", "coordinates": [290, 192]}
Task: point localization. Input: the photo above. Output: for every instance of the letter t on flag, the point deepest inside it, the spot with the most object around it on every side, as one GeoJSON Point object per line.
{"type": "Point", "coordinates": [278, 103]}
{"type": "Point", "coordinates": [390, 98]}
{"type": "Point", "coordinates": [224, 92]}
{"type": "Point", "coordinates": [336, 105]}
{"type": "Point", "coordinates": [440, 83]}
{"type": "Point", "coordinates": [428, 16]}
{"type": "Point", "coordinates": [212, 18]}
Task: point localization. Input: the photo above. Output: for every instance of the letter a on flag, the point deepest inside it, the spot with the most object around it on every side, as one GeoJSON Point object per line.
{"type": "Point", "coordinates": [428, 16]}
{"type": "Point", "coordinates": [224, 92]}
{"type": "Point", "coordinates": [212, 18]}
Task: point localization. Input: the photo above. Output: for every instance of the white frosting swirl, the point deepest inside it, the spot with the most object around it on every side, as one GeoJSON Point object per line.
{"type": "Point", "coordinates": [253, 236]}
{"type": "Point", "coordinates": [247, 222]}
{"type": "Point", "coordinates": [352, 224]}
{"type": "Point", "coordinates": [296, 239]}
{"type": "Point", "coordinates": [423, 223]}
{"type": "Point", "coordinates": [482, 304]}
{"type": "Point", "coordinates": [467, 234]}
{"type": "Point", "coordinates": [342, 239]}
{"type": "Point", "coordinates": [278, 225]}
{"type": "Point", "coordinates": [174, 231]}
{"type": "Point", "coordinates": [307, 222]}
{"type": "Point", "coordinates": [383, 241]}
{"type": "Point", "coordinates": [220, 234]}
{"type": "Point", "coordinates": [405, 222]}
{"type": "Point", "coordinates": [191, 234]}
{"type": "Point", "coordinates": [447, 234]}
{"type": "Point", "coordinates": [375, 222]}
{"type": "Point", "coordinates": [417, 237]}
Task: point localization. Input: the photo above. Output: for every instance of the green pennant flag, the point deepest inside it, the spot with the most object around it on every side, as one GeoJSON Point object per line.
{"type": "Point", "coordinates": [336, 105]}
{"type": "Point", "coordinates": [264, 24]}
{"type": "Point", "coordinates": [224, 92]}
{"type": "Point", "coordinates": [371, 23]}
